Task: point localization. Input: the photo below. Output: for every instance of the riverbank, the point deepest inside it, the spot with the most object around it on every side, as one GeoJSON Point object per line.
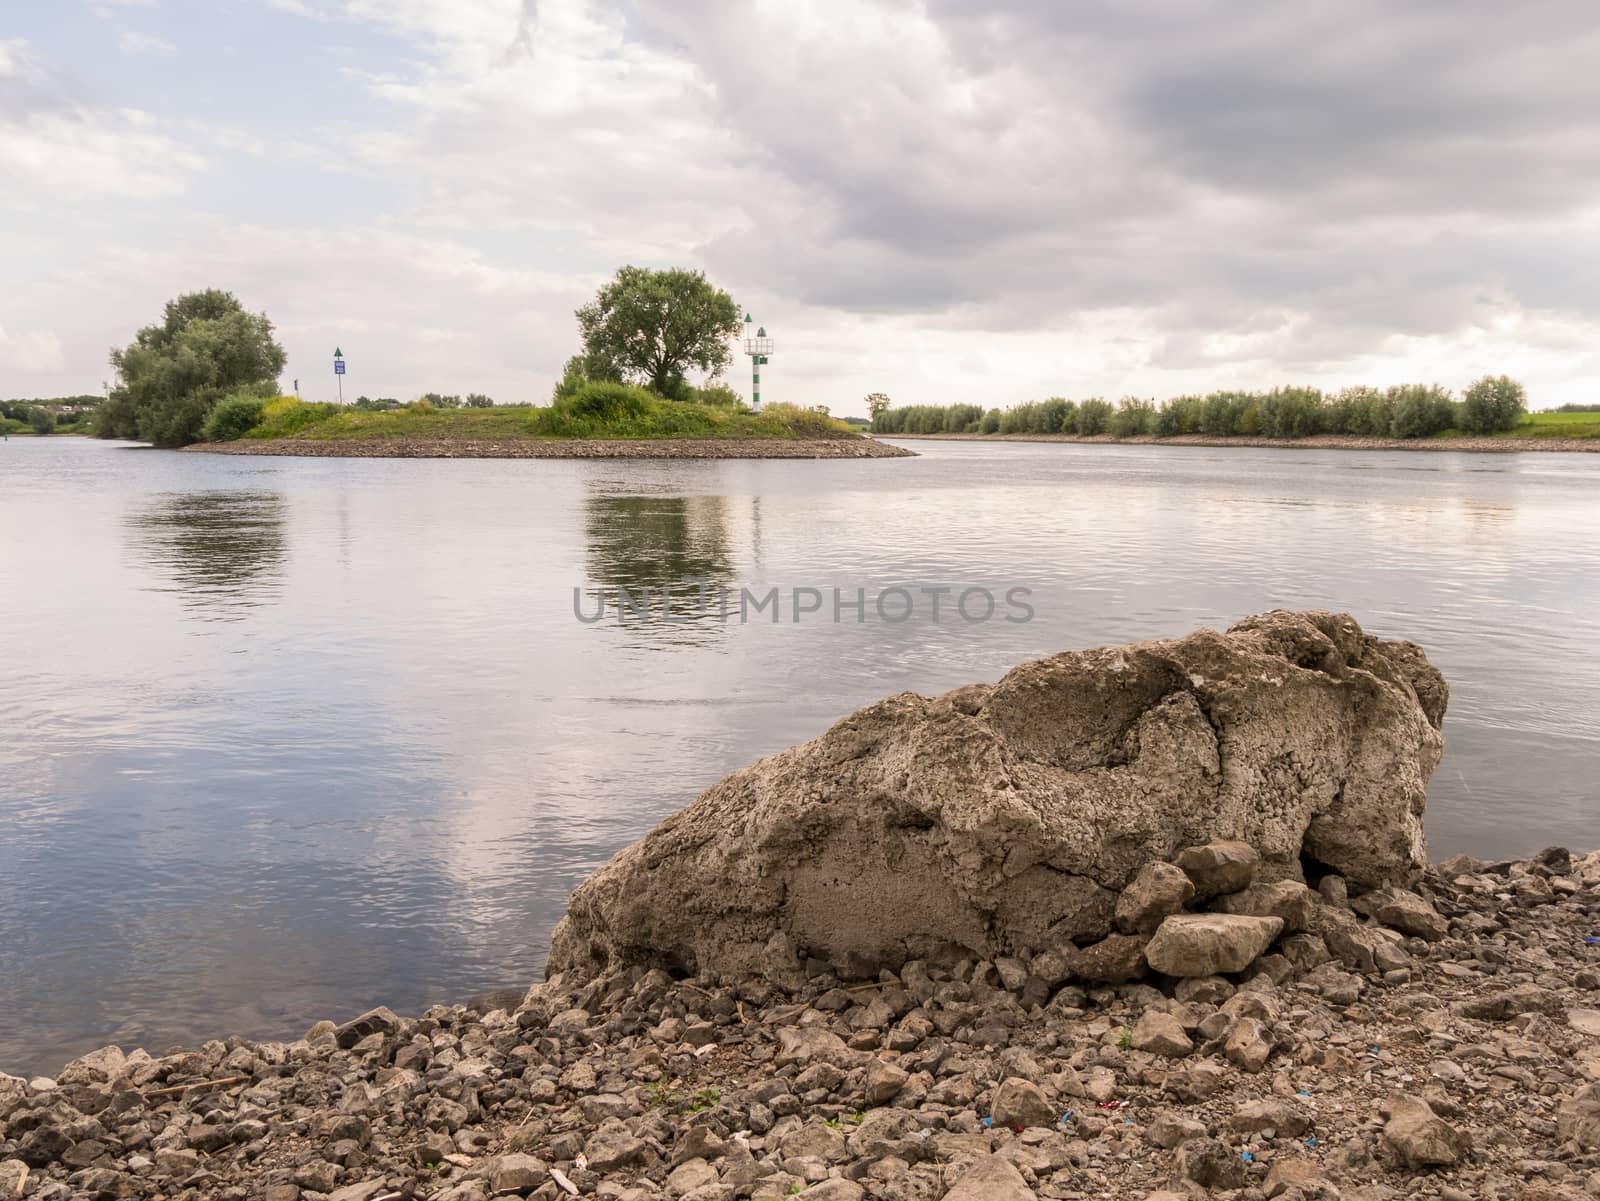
{"type": "Point", "coordinates": [844, 447]}
{"type": "Point", "coordinates": [1471, 444]}
{"type": "Point", "coordinates": [1465, 1068]}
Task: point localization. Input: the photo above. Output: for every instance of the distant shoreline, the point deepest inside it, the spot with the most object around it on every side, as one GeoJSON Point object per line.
{"type": "Point", "coordinates": [1472, 444]}
{"type": "Point", "coordinates": [844, 447]}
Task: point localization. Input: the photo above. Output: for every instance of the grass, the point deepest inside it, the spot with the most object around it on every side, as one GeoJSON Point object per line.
{"type": "Point", "coordinates": [1558, 425]}
{"type": "Point", "coordinates": [637, 417]}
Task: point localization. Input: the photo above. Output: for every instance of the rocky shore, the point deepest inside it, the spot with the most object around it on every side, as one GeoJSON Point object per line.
{"type": "Point", "coordinates": [1148, 922]}
{"type": "Point", "coordinates": [843, 447]}
{"type": "Point", "coordinates": [1438, 1043]}
{"type": "Point", "coordinates": [1318, 442]}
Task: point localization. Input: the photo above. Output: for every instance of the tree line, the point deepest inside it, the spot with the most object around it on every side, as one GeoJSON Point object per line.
{"type": "Point", "coordinates": [47, 415]}
{"type": "Point", "coordinates": [1492, 404]}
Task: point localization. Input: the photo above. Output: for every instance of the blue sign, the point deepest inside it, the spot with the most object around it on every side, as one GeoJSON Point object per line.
{"type": "Point", "coordinates": [338, 366]}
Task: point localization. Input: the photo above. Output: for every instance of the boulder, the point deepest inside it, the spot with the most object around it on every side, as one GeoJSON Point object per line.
{"type": "Point", "coordinates": [1004, 819]}
{"type": "Point", "coordinates": [1288, 900]}
{"type": "Point", "coordinates": [993, 1178]}
{"type": "Point", "coordinates": [1219, 867]}
{"type": "Point", "coordinates": [1208, 944]}
{"type": "Point", "coordinates": [1161, 1034]}
{"type": "Point", "coordinates": [1403, 911]}
{"type": "Point", "coordinates": [1019, 1104]}
{"type": "Point", "coordinates": [1155, 894]}
{"type": "Point", "coordinates": [1420, 1137]}
{"type": "Point", "coordinates": [1579, 1118]}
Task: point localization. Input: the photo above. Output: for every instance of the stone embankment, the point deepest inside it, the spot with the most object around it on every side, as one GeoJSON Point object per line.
{"type": "Point", "coordinates": [843, 447]}
{"type": "Point", "coordinates": [1238, 980]}
{"type": "Point", "coordinates": [1473, 443]}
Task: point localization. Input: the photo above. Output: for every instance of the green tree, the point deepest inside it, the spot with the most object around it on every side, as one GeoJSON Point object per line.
{"type": "Point", "coordinates": [654, 326]}
{"type": "Point", "coordinates": [1493, 404]}
{"type": "Point", "coordinates": [42, 421]}
{"type": "Point", "coordinates": [477, 400]}
{"type": "Point", "coordinates": [172, 374]}
{"type": "Point", "coordinates": [877, 402]}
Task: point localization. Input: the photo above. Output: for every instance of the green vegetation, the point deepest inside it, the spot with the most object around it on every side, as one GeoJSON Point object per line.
{"type": "Point", "coordinates": [596, 410]}
{"type": "Point", "coordinates": [651, 327]}
{"type": "Point", "coordinates": [173, 373]}
{"type": "Point", "coordinates": [1494, 405]}
{"type": "Point", "coordinates": [42, 417]}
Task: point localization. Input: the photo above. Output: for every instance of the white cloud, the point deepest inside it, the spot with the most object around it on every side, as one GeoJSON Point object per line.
{"type": "Point", "coordinates": [33, 351]}
{"type": "Point", "coordinates": [136, 43]}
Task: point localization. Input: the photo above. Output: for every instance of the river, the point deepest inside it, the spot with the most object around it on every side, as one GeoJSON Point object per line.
{"type": "Point", "coordinates": [281, 739]}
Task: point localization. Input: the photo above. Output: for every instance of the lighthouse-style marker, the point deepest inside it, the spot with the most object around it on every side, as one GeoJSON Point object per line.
{"type": "Point", "coordinates": [758, 347]}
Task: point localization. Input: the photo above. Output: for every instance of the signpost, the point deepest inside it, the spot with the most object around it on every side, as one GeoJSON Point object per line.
{"type": "Point", "coordinates": [338, 370]}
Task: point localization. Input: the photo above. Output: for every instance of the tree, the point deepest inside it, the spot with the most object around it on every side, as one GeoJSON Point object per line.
{"type": "Point", "coordinates": [653, 326]}
{"type": "Point", "coordinates": [172, 374]}
{"type": "Point", "coordinates": [42, 420]}
{"type": "Point", "coordinates": [477, 400]}
{"type": "Point", "coordinates": [1493, 404]}
{"type": "Point", "coordinates": [877, 402]}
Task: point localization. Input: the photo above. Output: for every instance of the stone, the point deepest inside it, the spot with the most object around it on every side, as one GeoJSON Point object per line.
{"type": "Point", "coordinates": [13, 1178]}
{"type": "Point", "coordinates": [884, 1081]}
{"type": "Point", "coordinates": [1579, 1118]}
{"type": "Point", "coordinates": [805, 1044]}
{"type": "Point", "coordinates": [1210, 1163]}
{"type": "Point", "coordinates": [690, 1175]}
{"type": "Point", "coordinates": [835, 1190]}
{"type": "Point", "coordinates": [1585, 1021]}
{"type": "Point", "coordinates": [374, 1021]}
{"type": "Point", "coordinates": [1020, 1103]}
{"type": "Point", "coordinates": [1168, 1130]}
{"type": "Point", "coordinates": [1202, 990]}
{"type": "Point", "coordinates": [1161, 1034]}
{"type": "Point", "coordinates": [1304, 1174]}
{"type": "Point", "coordinates": [1420, 1137]}
{"type": "Point", "coordinates": [614, 1146]}
{"type": "Point", "coordinates": [1404, 911]}
{"type": "Point", "coordinates": [1155, 894]}
{"type": "Point", "coordinates": [1248, 1045]}
{"type": "Point", "coordinates": [992, 1178]}
{"type": "Point", "coordinates": [1208, 944]}
{"type": "Point", "coordinates": [1115, 959]}
{"type": "Point", "coordinates": [1282, 1117]}
{"type": "Point", "coordinates": [1508, 1003]}
{"type": "Point", "coordinates": [1288, 900]}
{"type": "Point", "coordinates": [1004, 819]}
{"type": "Point", "coordinates": [517, 1172]}
{"type": "Point", "coordinates": [1219, 867]}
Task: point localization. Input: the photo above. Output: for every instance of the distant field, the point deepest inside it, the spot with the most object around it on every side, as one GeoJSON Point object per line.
{"type": "Point", "coordinates": [1559, 425]}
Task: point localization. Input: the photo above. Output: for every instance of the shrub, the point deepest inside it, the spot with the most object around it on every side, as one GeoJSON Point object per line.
{"type": "Point", "coordinates": [1093, 417]}
{"type": "Point", "coordinates": [1420, 410]}
{"type": "Point", "coordinates": [477, 400]}
{"type": "Point", "coordinates": [233, 417]}
{"type": "Point", "coordinates": [42, 421]}
{"type": "Point", "coordinates": [958, 417]}
{"type": "Point", "coordinates": [285, 415]}
{"type": "Point", "coordinates": [1493, 404]}
{"type": "Point", "coordinates": [718, 396]}
{"type": "Point", "coordinates": [1133, 418]}
{"type": "Point", "coordinates": [990, 423]}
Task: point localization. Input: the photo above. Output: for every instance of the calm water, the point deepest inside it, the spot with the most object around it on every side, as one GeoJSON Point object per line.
{"type": "Point", "coordinates": [283, 739]}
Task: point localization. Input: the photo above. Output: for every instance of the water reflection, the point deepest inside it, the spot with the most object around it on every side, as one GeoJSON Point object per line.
{"type": "Point", "coordinates": [657, 541]}
{"type": "Point", "coordinates": [223, 552]}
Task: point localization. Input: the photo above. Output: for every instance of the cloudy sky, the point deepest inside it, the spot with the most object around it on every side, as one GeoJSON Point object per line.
{"type": "Point", "coordinates": [943, 200]}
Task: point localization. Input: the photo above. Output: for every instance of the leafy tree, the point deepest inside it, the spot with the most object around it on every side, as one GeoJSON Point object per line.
{"type": "Point", "coordinates": [877, 402]}
{"type": "Point", "coordinates": [172, 373]}
{"type": "Point", "coordinates": [653, 326]}
{"type": "Point", "coordinates": [438, 400]}
{"type": "Point", "coordinates": [1133, 417]}
{"type": "Point", "coordinates": [1494, 403]}
{"type": "Point", "coordinates": [1420, 410]}
{"type": "Point", "coordinates": [42, 421]}
{"type": "Point", "coordinates": [991, 422]}
{"type": "Point", "coordinates": [477, 400]}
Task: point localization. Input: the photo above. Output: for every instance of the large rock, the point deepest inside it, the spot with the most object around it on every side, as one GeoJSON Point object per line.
{"type": "Point", "coordinates": [1155, 894]}
{"type": "Point", "coordinates": [1219, 867]}
{"type": "Point", "coordinates": [1208, 944]}
{"type": "Point", "coordinates": [1003, 819]}
{"type": "Point", "coordinates": [1420, 1137]}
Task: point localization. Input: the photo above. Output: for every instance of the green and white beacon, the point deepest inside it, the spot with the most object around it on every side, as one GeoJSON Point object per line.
{"type": "Point", "coordinates": [758, 346]}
